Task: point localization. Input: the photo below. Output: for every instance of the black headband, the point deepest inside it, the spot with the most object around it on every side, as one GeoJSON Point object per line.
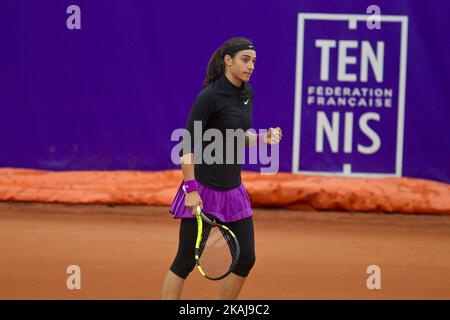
{"type": "Point", "coordinates": [232, 50]}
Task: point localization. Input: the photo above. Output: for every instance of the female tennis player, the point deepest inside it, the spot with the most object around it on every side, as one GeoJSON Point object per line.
{"type": "Point", "coordinates": [226, 102]}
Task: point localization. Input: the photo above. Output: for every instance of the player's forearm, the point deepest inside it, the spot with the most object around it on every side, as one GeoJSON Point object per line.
{"type": "Point", "coordinates": [251, 139]}
{"type": "Point", "coordinates": [187, 166]}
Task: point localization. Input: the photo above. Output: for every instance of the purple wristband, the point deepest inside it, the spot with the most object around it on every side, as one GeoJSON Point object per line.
{"type": "Point", "coordinates": [190, 185]}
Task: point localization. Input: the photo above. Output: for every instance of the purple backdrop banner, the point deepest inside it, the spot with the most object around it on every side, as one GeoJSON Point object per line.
{"type": "Point", "coordinates": [351, 100]}
{"type": "Point", "coordinates": [350, 109]}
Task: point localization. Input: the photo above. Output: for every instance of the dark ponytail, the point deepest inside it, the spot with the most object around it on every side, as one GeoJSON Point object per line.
{"type": "Point", "coordinates": [216, 65]}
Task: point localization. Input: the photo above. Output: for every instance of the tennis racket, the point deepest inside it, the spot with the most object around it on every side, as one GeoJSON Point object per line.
{"type": "Point", "coordinates": [216, 249]}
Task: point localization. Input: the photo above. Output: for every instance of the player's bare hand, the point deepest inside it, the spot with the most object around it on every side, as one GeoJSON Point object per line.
{"type": "Point", "coordinates": [273, 135]}
{"type": "Point", "coordinates": [192, 200]}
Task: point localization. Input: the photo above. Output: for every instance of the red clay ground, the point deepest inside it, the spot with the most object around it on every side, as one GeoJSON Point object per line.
{"type": "Point", "coordinates": [124, 253]}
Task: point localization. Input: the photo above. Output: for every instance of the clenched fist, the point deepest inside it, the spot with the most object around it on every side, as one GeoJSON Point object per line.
{"type": "Point", "coordinates": [273, 135]}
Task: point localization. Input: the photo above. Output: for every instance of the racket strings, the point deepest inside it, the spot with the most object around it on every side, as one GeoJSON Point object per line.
{"type": "Point", "coordinates": [218, 251]}
{"type": "Point", "coordinates": [231, 242]}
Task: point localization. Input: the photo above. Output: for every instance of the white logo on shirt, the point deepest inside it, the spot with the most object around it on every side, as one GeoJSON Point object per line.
{"type": "Point", "coordinates": [245, 102]}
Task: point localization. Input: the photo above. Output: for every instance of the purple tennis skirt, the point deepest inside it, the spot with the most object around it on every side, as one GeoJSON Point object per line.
{"type": "Point", "coordinates": [227, 206]}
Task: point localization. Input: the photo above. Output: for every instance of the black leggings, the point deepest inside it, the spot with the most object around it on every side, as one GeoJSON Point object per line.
{"type": "Point", "coordinates": [184, 261]}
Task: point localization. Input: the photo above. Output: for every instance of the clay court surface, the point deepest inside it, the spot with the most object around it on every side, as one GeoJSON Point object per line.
{"type": "Point", "coordinates": [125, 251]}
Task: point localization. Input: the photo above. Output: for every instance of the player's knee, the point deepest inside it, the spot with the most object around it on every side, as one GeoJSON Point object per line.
{"type": "Point", "coordinates": [182, 266]}
{"type": "Point", "coordinates": [244, 265]}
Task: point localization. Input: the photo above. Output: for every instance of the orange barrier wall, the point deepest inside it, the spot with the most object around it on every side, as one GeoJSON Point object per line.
{"type": "Point", "coordinates": [283, 190]}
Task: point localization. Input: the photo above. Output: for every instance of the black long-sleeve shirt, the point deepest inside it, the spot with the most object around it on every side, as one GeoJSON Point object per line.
{"type": "Point", "coordinates": [220, 105]}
